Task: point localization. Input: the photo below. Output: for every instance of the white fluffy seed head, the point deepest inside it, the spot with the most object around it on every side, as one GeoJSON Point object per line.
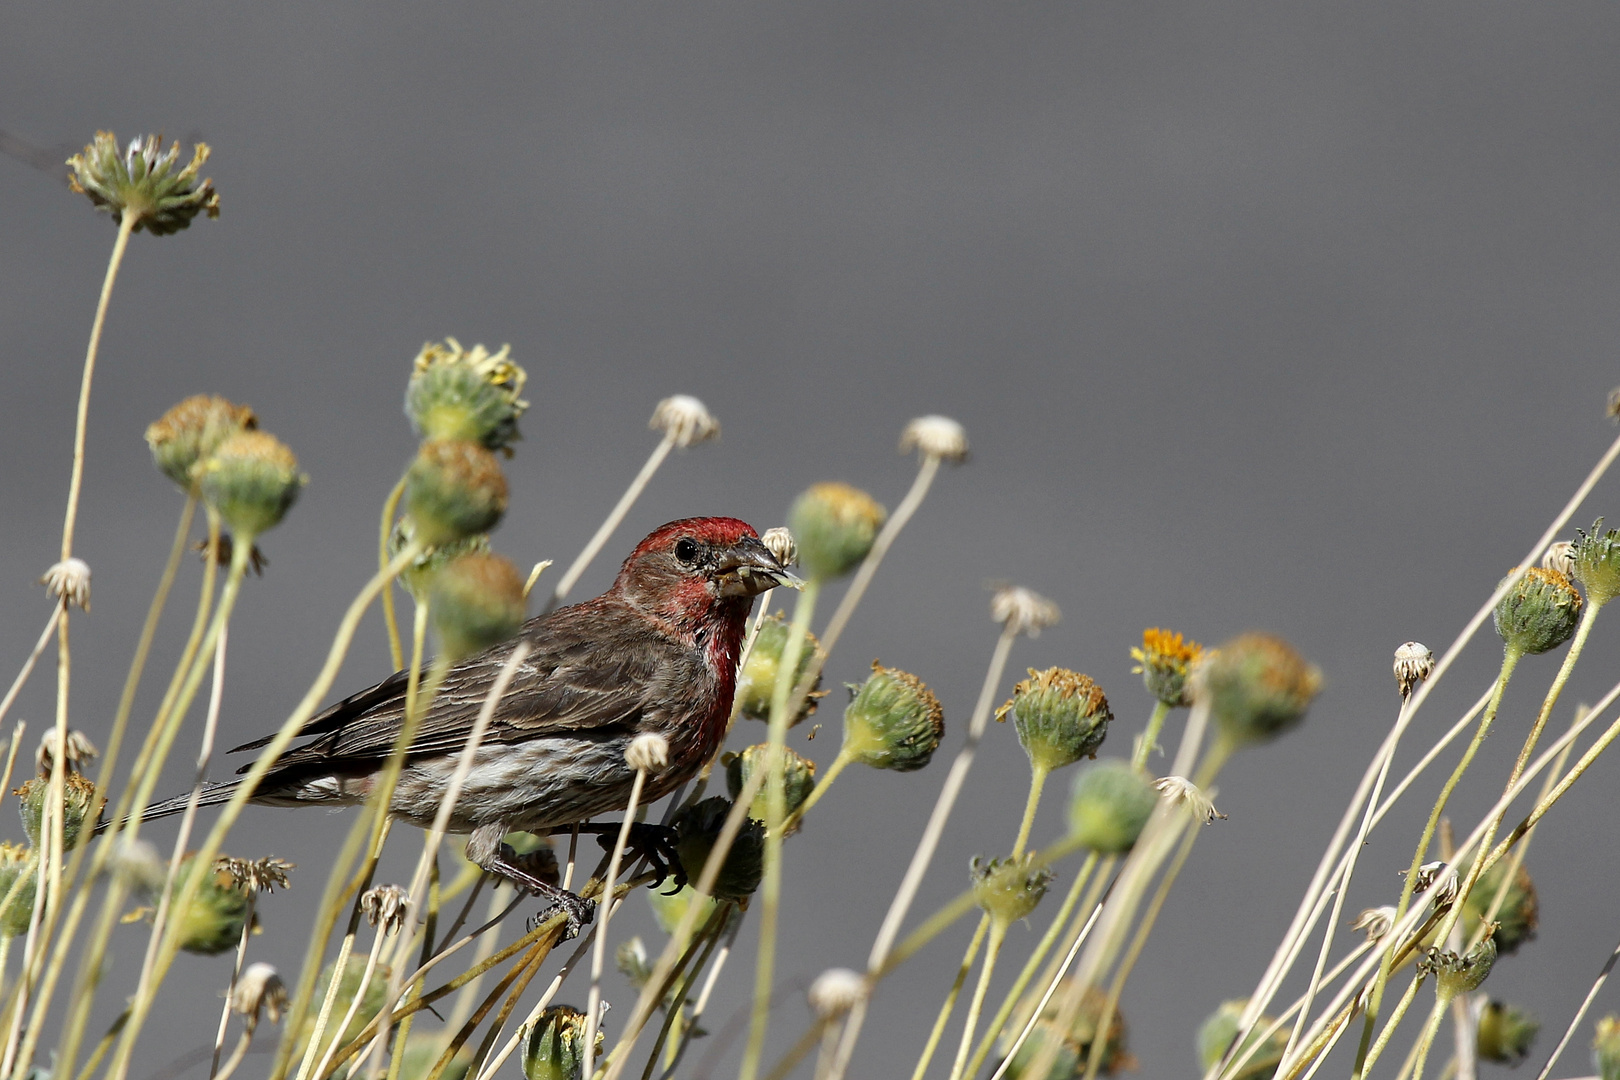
{"type": "Point", "coordinates": [1178, 789]}
{"type": "Point", "coordinates": [835, 992]}
{"type": "Point", "coordinates": [1023, 611]}
{"type": "Point", "coordinates": [259, 988]}
{"type": "Point", "coordinates": [69, 580]}
{"type": "Point", "coordinates": [935, 436]}
{"type": "Point", "coordinates": [685, 419]}
{"type": "Point", "coordinates": [780, 543]}
{"type": "Point", "coordinates": [647, 752]}
{"type": "Point", "coordinates": [1376, 922]}
{"type": "Point", "coordinates": [80, 752]}
{"type": "Point", "coordinates": [1560, 557]}
{"type": "Point", "coordinates": [1414, 662]}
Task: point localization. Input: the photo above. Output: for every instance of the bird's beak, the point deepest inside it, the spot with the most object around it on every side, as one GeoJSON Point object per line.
{"type": "Point", "coordinates": [748, 569]}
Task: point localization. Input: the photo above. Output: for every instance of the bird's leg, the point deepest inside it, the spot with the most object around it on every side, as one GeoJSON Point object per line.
{"type": "Point", "coordinates": [655, 843]}
{"type": "Point", "coordinates": [486, 848]}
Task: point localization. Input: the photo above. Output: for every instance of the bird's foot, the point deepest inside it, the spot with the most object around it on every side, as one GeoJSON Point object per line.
{"type": "Point", "coordinates": [578, 911]}
{"type": "Point", "coordinates": [655, 843]}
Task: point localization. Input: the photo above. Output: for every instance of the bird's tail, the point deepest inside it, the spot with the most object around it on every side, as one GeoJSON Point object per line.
{"type": "Point", "coordinates": [212, 795]}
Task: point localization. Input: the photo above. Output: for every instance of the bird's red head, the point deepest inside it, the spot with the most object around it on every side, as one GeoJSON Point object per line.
{"type": "Point", "coordinates": [696, 568]}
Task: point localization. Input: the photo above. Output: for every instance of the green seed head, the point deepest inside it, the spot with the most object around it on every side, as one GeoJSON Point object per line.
{"type": "Point", "coordinates": [835, 525]}
{"type": "Point", "coordinates": [1165, 662]}
{"type": "Point", "coordinates": [1216, 1033]}
{"type": "Point", "coordinates": [696, 829]}
{"type": "Point", "coordinates": [475, 601]}
{"type": "Point", "coordinates": [1506, 1033]}
{"type": "Point", "coordinates": [1009, 889]}
{"type": "Point", "coordinates": [893, 721]}
{"type": "Point", "coordinates": [77, 795]}
{"type": "Point", "coordinates": [142, 182]}
{"type": "Point", "coordinates": [555, 1048]}
{"type": "Point", "coordinates": [371, 1002]}
{"type": "Point", "coordinates": [453, 490]}
{"type": "Point", "coordinates": [1110, 803]}
{"type": "Point", "coordinates": [213, 923]}
{"type": "Point", "coordinates": [1519, 913]}
{"type": "Point", "coordinates": [1606, 1048]}
{"type": "Point", "coordinates": [1258, 687]}
{"type": "Point", "coordinates": [466, 395]}
{"type": "Point", "coordinates": [757, 680]}
{"type": "Point", "coordinates": [1074, 1043]}
{"type": "Point", "coordinates": [16, 863]}
{"type": "Point", "coordinates": [1454, 974]}
{"type": "Point", "coordinates": [418, 575]}
{"type": "Point", "coordinates": [1595, 558]}
{"type": "Point", "coordinates": [1061, 717]}
{"type": "Point", "coordinates": [798, 775]}
{"type": "Point", "coordinates": [191, 431]}
{"type": "Point", "coordinates": [1539, 613]}
{"type": "Point", "coordinates": [250, 480]}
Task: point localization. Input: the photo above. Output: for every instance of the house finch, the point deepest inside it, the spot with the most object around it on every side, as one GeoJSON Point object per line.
{"type": "Point", "coordinates": [655, 653]}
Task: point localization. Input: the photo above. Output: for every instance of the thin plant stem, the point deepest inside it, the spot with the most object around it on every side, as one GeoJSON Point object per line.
{"type": "Point", "coordinates": [354, 1005]}
{"type": "Point", "coordinates": [1580, 1014]}
{"type": "Point", "coordinates": [238, 1052]}
{"type": "Point", "coordinates": [1431, 1027]}
{"type": "Point", "coordinates": [992, 949]}
{"type": "Point", "coordinates": [33, 658]}
{"type": "Point", "coordinates": [839, 764]}
{"type": "Point", "coordinates": [1037, 782]}
{"type": "Point", "coordinates": [797, 1053]}
{"type": "Point", "coordinates": [1394, 1022]}
{"type": "Point", "coordinates": [949, 1004]}
{"type": "Point", "coordinates": [490, 1067]}
{"type": "Point", "coordinates": [594, 547]}
{"type": "Point", "coordinates": [698, 1008]}
{"type": "Point", "coordinates": [329, 999]}
{"type": "Point", "coordinates": [593, 1010]}
{"type": "Point", "coordinates": [385, 534]}
{"type": "Point", "coordinates": [708, 938]}
{"type": "Point", "coordinates": [1148, 741]}
{"type": "Point", "coordinates": [230, 987]}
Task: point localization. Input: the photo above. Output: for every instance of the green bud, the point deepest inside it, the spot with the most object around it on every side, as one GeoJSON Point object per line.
{"type": "Point", "coordinates": [17, 862]}
{"type": "Point", "coordinates": [250, 480]}
{"type": "Point", "coordinates": [1061, 717]}
{"type": "Point", "coordinates": [1165, 662]}
{"type": "Point", "coordinates": [893, 721]}
{"type": "Point", "coordinates": [698, 826]}
{"type": "Point", "coordinates": [1596, 563]}
{"type": "Point", "coordinates": [1506, 1033]}
{"type": "Point", "coordinates": [1109, 805]}
{"type": "Point", "coordinates": [77, 795]}
{"type": "Point", "coordinates": [417, 577]}
{"type": "Point", "coordinates": [191, 432]}
{"type": "Point", "coordinates": [555, 1048]}
{"type": "Point", "coordinates": [1258, 687]}
{"type": "Point", "coordinates": [466, 395]}
{"type": "Point", "coordinates": [1519, 912]}
{"type": "Point", "coordinates": [834, 525]}
{"type": "Point", "coordinates": [475, 602]}
{"type": "Point", "coordinates": [1606, 1048]}
{"type": "Point", "coordinates": [1463, 974]}
{"type": "Point", "coordinates": [756, 682]}
{"type": "Point", "coordinates": [371, 1002]}
{"type": "Point", "coordinates": [213, 923]}
{"type": "Point", "coordinates": [454, 490]}
{"type": "Point", "coordinates": [798, 775]}
{"type": "Point", "coordinates": [1539, 613]}
{"type": "Point", "coordinates": [1008, 889]}
{"type": "Point", "coordinates": [141, 181]}
{"type": "Point", "coordinates": [1074, 1044]}
{"type": "Point", "coordinates": [1217, 1032]}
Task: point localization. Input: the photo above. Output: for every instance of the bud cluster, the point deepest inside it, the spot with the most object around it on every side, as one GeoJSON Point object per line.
{"type": "Point", "coordinates": [698, 826]}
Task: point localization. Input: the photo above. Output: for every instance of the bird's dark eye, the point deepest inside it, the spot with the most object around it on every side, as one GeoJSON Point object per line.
{"type": "Point", "coordinates": [686, 550]}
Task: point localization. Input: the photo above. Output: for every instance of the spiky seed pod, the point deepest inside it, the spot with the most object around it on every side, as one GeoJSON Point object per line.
{"type": "Point", "coordinates": [893, 721]}
{"type": "Point", "coordinates": [698, 826]}
{"type": "Point", "coordinates": [1414, 663]}
{"type": "Point", "coordinates": [78, 793]}
{"type": "Point", "coordinates": [251, 480]}
{"type": "Point", "coordinates": [1539, 613]}
{"type": "Point", "coordinates": [1454, 974]}
{"type": "Point", "coordinates": [757, 680]}
{"type": "Point", "coordinates": [16, 862]}
{"type": "Point", "coordinates": [1165, 661]}
{"type": "Point", "coordinates": [555, 1048]}
{"type": "Point", "coordinates": [256, 875]}
{"type": "Point", "coordinates": [143, 183]}
{"type": "Point", "coordinates": [1376, 922]}
{"type": "Point", "coordinates": [214, 921]}
{"type": "Point", "coordinates": [80, 752]}
{"type": "Point", "coordinates": [1023, 611]}
{"type": "Point", "coordinates": [798, 776]}
{"type": "Point", "coordinates": [190, 432]}
{"type": "Point", "coordinates": [1074, 1044]}
{"type": "Point", "coordinates": [1594, 561]}
{"type": "Point", "coordinates": [1109, 805]}
{"type": "Point", "coordinates": [836, 991]}
{"type": "Point", "coordinates": [139, 867]}
{"type": "Point", "coordinates": [259, 989]}
{"type": "Point", "coordinates": [835, 525]}
{"type": "Point", "coordinates": [1008, 889]}
{"type": "Point", "coordinates": [1218, 1031]}
{"type": "Point", "coordinates": [454, 489]}
{"type": "Point", "coordinates": [469, 395]}
{"type": "Point", "coordinates": [1258, 687]}
{"type": "Point", "coordinates": [1606, 1048]}
{"type": "Point", "coordinates": [935, 436]}
{"type": "Point", "coordinates": [1061, 716]}
{"type": "Point", "coordinates": [371, 1002]}
{"type": "Point", "coordinates": [1505, 1032]}
{"type": "Point", "coordinates": [1519, 913]}
{"type": "Point", "coordinates": [418, 575]}
{"type": "Point", "coordinates": [685, 420]}
{"type": "Point", "coordinates": [475, 602]}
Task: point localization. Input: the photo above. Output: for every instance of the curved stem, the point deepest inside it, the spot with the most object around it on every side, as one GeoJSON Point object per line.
{"type": "Point", "coordinates": [615, 516]}
{"type": "Point", "coordinates": [1431, 1027]}
{"type": "Point", "coordinates": [992, 949]}
{"type": "Point", "coordinates": [1148, 741]}
{"type": "Point", "coordinates": [1037, 782]}
{"type": "Point", "coordinates": [389, 510]}
{"type": "Point", "coordinates": [840, 763]}
{"type": "Point", "coordinates": [949, 1004]}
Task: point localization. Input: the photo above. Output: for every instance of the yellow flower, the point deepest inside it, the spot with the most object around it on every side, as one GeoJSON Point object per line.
{"type": "Point", "coordinates": [1164, 661]}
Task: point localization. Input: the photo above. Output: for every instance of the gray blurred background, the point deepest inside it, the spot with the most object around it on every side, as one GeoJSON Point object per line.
{"type": "Point", "coordinates": [1294, 317]}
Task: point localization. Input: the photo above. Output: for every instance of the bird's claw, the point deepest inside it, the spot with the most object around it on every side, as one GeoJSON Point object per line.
{"type": "Point", "coordinates": [656, 844]}
{"type": "Point", "coordinates": [577, 910]}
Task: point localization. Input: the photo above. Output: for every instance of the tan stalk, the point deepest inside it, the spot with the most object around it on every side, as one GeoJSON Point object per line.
{"type": "Point", "coordinates": [594, 546]}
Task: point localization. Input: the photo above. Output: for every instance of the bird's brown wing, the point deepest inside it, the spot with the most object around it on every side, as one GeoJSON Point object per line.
{"type": "Point", "coordinates": [579, 676]}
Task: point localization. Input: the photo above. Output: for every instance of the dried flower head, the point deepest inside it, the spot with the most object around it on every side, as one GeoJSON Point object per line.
{"type": "Point", "coordinates": [453, 490]}
{"type": "Point", "coordinates": [256, 875]}
{"type": "Point", "coordinates": [893, 721]}
{"type": "Point", "coordinates": [1009, 889]}
{"type": "Point", "coordinates": [756, 682]}
{"type": "Point", "coordinates": [647, 752]}
{"type": "Point", "coordinates": [1594, 561]}
{"type": "Point", "coordinates": [1165, 661]}
{"type": "Point", "coordinates": [684, 420]}
{"type": "Point", "coordinates": [1413, 664]}
{"type": "Point", "coordinates": [698, 826]}
{"type": "Point", "coordinates": [69, 582]}
{"type": "Point", "coordinates": [476, 601]}
{"type": "Point", "coordinates": [1454, 974]}
{"type": "Point", "coordinates": [190, 432]}
{"type": "Point", "coordinates": [80, 752]}
{"type": "Point", "coordinates": [259, 988]}
{"type": "Point", "coordinates": [1217, 1033]}
{"type": "Point", "coordinates": [251, 480]}
{"type": "Point", "coordinates": [835, 526]}
{"type": "Point", "coordinates": [1560, 556]}
{"type": "Point", "coordinates": [555, 1047]}
{"type": "Point", "coordinates": [469, 395]}
{"type": "Point", "coordinates": [1505, 1032]}
{"type": "Point", "coordinates": [78, 795]}
{"type": "Point", "coordinates": [780, 543]}
{"type": "Point", "coordinates": [798, 777]}
{"type": "Point", "coordinates": [936, 437]}
{"type": "Point", "coordinates": [1109, 805]}
{"type": "Point", "coordinates": [1375, 922]}
{"type": "Point", "coordinates": [1061, 716]}
{"type": "Point", "coordinates": [1538, 613]}
{"type": "Point", "coordinates": [1023, 611]}
{"type": "Point", "coordinates": [1440, 874]}
{"type": "Point", "coordinates": [17, 862]}
{"type": "Point", "coordinates": [836, 991]}
{"type": "Point", "coordinates": [142, 182]}
{"type": "Point", "coordinates": [1178, 790]}
{"type": "Point", "coordinates": [1257, 687]}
